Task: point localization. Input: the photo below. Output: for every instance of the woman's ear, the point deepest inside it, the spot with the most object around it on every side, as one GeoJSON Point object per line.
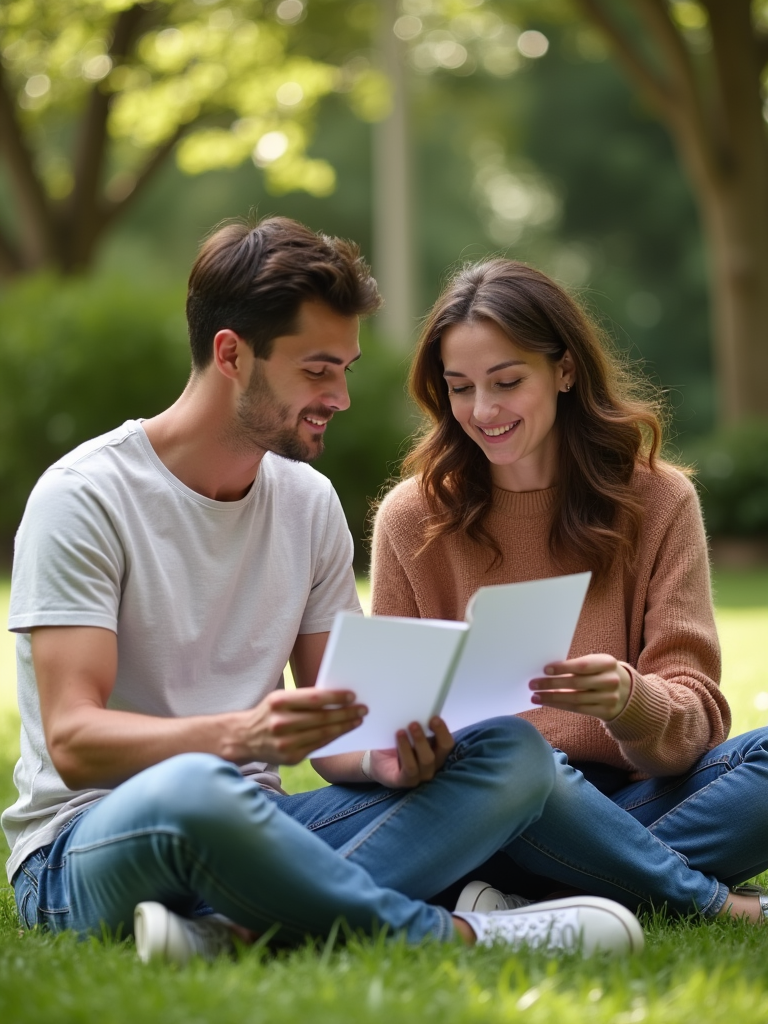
{"type": "Point", "coordinates": [566, 370]}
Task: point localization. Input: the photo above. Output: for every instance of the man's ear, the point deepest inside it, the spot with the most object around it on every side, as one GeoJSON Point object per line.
{"type": "Point", "coordinates": [229, 354]}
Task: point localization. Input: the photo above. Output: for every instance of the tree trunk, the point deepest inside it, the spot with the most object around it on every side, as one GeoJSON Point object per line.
{"type": "Point", "coordinates": [716, 120]}
{"type": "Point", "coordinates": [393, 261]}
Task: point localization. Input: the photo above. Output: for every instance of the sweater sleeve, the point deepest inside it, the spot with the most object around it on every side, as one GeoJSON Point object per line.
{"type": "Point", "coordinates": [675, 711]}
{"type": "Point", "coordinates": [391, 590]}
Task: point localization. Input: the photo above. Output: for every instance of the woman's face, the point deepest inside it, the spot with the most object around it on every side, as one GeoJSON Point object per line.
{"type": "Point", "coordinates": [505, 399]}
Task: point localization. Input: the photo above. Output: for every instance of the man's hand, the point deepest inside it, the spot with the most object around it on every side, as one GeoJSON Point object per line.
{"type": "Point", "coordinates": [596, 684]}
{"type": "Point", "coordinates": [289, 724]}
{"type": "Point", "coordinates": [412, 761]}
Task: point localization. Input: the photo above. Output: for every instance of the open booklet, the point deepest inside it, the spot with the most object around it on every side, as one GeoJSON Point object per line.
{"type": "Point", "coordinates": [408, 670]}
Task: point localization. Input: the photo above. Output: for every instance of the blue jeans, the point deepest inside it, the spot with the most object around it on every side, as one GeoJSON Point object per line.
{"type": "Point", "coordinates": [679, 841]}
{"type": "Point", "coordinates": [192, 830]}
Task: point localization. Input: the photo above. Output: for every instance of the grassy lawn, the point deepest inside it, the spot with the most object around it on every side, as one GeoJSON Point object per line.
{"type": "Point", "coordinates": [688, 972]}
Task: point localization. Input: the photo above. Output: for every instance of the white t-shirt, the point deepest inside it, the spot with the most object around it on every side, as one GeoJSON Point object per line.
{"type": "Point", "coordinates": [206, 597]}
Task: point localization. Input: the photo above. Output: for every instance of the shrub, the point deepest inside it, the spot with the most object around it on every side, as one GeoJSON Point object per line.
{"type": "Point", "coordinates": [732, 479]}
{"type": "Point", "coordinates": [80, 356]}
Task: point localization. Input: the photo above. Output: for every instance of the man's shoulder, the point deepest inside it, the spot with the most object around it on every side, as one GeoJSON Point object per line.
{"type": "Point", "coordinates": [92, 463]}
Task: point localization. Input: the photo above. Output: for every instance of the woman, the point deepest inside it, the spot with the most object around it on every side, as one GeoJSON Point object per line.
{"type": "Point", "coordinates": [541, 458]}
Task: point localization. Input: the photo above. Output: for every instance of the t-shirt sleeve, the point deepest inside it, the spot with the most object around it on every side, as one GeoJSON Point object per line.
{"type": "Point", "coordinates": [333, 587]}
{"type": "Point", "coordinates": [68, 560]}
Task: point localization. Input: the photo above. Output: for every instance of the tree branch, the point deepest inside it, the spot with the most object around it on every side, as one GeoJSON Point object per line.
{"type": "Point", "coordinates": [657, 91]}
{"type": "Point", "coordinates": [111, 211]}
{"type": "Point", "coordinates": [690, 120]}
{"type": "Point", "coordinates": [677, 100]}
{"type": "Point", "coordinates": [91, 149]}
{"type": "Point", "coordinates": [10, 262]}
{"type": "Point", "coordinates": [38, 244]}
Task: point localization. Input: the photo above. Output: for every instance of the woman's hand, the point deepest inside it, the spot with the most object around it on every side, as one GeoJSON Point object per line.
{"type": "Point", "coordinates": [596, 684]}
{"type": "Point", "coordinates": [413, 760]}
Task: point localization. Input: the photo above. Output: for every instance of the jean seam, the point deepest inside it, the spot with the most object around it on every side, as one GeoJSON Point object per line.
{"type": "Point", "coordinates": [678, 781]}
{"type": "Point", "coordinates": [347, 812]}
{"type": "Point", "coordinates": [612, 881]}
{"type": "Point", "coordinates": [363, 837]}
{"type": "Point", "coordinates": [683, 803]}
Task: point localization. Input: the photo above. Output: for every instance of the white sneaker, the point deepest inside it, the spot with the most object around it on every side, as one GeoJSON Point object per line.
{"type": "Point", "coordinates": [589, 924]}
{"type": "Point", "coordinates": [484, 899]}
{"type": "Point", "coordinates": [163, 935]}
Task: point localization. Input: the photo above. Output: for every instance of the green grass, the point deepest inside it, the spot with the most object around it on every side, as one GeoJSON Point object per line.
{"type": "Point", "coordinates": [689, 972]}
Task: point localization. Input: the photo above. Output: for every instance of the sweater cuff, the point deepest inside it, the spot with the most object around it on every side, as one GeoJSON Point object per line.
{"type": "Point", "coordinates": [645, 714]}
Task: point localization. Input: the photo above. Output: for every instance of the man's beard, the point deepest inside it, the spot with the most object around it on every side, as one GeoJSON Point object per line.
{"type": "Point", "coordinates": [261, 423]}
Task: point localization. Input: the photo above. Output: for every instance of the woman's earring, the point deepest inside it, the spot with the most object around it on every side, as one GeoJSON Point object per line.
{"type": "Point", "coordinates": [567, 387]}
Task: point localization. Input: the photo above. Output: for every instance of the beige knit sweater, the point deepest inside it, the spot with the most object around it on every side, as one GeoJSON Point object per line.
{"type": "Point", "coordinates": [656, 618]}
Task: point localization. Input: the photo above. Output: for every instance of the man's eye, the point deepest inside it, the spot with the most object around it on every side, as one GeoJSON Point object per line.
{"type": "Point", "coordinates": [348, 369]}
{"type": "Point", "coordinates": [315, 374]}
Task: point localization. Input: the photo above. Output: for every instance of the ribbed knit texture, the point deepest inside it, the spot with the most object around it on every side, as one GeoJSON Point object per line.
{"type": "Point", "coordinates": [657, 617]}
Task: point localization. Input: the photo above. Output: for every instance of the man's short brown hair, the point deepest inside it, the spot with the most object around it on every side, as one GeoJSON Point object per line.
{"type": "Point", "coordinates": [253, 278]}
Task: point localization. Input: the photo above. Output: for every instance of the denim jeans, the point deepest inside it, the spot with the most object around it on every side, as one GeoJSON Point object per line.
{"type": "Point", "coordinates": [192, 830]}
{"type": "Point", "coordinates": [713, 819]}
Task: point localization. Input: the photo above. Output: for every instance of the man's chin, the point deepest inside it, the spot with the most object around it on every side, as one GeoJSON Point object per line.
{"type": "Point", "coordinates": [300, 452]}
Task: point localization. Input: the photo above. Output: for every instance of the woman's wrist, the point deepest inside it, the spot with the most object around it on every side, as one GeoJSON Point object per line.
{"type": "Point", "coordinates": [365, 766]}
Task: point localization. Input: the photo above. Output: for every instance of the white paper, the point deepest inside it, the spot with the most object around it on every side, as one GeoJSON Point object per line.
{"type": "Point", "coordinates": [395, 666]}
{"type": "Point", "coordinates": [516, 629]}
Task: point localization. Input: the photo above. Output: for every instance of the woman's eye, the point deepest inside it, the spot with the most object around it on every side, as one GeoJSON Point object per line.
{"type": "Point", "coordinates": [506, 385]}
{"type": "Point", "coordinates": [458, 389]}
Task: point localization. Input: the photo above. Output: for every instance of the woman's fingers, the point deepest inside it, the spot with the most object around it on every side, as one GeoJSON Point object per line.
{"type": "Point", "coordinates": [602, 681]}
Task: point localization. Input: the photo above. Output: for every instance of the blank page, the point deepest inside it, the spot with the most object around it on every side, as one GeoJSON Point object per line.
{"type": "Point", "coordinates": [516, 629]}
{"type": "Point", "coordinates": [395, 666]}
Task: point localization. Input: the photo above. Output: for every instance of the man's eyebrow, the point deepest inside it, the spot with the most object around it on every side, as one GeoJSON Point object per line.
{"type": "Point", "coordinates": [326, 357]}
{"type": "Point", "coordinates": [491, 369]}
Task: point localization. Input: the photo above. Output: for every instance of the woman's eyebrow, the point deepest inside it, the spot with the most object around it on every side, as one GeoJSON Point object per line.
{"type": "Point", "coordinates": [491, 369]}
{"type": "Point", "coordinates": [503, 366]}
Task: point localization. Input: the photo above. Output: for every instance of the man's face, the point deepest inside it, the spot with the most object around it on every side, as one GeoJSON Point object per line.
{"type": "Point", "coordinates": [291, 396]}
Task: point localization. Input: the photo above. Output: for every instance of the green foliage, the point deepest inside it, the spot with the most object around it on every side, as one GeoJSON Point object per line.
{"type": "Point", "coordinates": [229, 76]}
{"type": "Point", "coordinates": [732, 477]}
{"type": "Point", "coordinates": [364, 445]}
{"type": "Point", "coordinates": [78, 357]}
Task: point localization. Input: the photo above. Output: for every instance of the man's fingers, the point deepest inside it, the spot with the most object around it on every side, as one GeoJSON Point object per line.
{"type": "Point", "coordinates": [283, 722]}
{"type": "Point", "coordinates": [308, 697]}
{"type": "Point", "coordinates": [297, 746]}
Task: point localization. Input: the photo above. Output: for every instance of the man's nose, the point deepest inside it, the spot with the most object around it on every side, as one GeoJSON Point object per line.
{"type": "Point", "coordinates": [337, 396]}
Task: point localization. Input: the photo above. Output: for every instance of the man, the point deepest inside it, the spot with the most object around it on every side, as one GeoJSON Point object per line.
{"type": "Point", "coordinates": [164, 575]}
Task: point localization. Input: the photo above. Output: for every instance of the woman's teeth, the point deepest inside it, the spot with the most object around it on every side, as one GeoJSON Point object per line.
{"type": "Point", "coordinates": [496, 431]}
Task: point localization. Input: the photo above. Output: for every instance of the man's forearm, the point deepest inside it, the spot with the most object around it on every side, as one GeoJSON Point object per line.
{"type": "Point", "coordinates": [99, 748]}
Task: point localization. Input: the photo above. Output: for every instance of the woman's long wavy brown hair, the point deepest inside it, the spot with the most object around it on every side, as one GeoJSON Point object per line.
{"type": "Point", "coordinates": [607, 423]}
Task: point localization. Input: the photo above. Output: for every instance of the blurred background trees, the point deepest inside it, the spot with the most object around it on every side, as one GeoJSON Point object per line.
{"type": "Point", "coordinates": [432, 131]}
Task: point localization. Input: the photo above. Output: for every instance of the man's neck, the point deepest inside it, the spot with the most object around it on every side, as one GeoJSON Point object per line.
{"type": "Point", "coordinates": [189, 438]}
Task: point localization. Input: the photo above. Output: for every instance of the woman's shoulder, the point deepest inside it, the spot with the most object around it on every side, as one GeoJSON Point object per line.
{"type": "Point", "coordinates": [664, 482]}
{"type": "Point", "coordinates": [404, 502]}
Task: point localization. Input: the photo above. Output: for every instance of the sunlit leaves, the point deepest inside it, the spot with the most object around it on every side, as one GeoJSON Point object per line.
{"type": "Point", "coordinates": [200, 69]}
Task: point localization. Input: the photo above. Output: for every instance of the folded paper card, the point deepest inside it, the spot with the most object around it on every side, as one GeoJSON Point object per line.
{"type": "Point", "coordinates": [407, 670]}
